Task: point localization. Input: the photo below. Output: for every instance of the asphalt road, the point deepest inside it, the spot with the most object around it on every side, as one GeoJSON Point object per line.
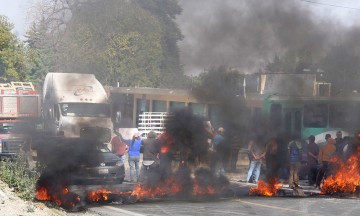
{"type": "Point", "coordinates": [239, 204]}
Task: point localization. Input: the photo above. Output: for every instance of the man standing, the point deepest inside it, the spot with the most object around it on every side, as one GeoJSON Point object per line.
{"type": "Point", "coordinates": [313, 152]}
{"type": "Point", "coordinates": [295, 152]}
{"type": "Point", "coordinates": [219, 146]}
{"type": "Point", "coordinates": [150, 172]}
{"type": "Point", "coordinates": [118, 146]}
{"type": "Point", "coordinates": [339, 144]}
{"type": "Point", "coordinates": [256, 154]}
{"type": "Point", "coordinates": [325, 155]}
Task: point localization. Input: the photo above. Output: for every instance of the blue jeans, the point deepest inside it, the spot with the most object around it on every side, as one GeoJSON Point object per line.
{"type": "Point", "coordinates": [134, 167]}
{"type": "Point", "coordinates": [122, 158]}
{"type": "Point", "coordinates": [254, 168]}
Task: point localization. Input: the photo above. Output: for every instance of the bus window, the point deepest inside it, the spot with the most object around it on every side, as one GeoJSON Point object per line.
{"type": "Point", "coordinates": [275, 114]}
{"type": "Point", "coordinates": [297, 123]}
{"type": "Point", "coordinates": [288, 122]}
{"type": "Point", "coordinates": [315, 115]}
{"type": "Point", "coordinates": [337, 117]}
{"type": "Point", "coordinates": [344, 115]}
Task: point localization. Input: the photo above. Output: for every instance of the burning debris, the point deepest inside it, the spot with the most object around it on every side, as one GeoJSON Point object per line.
{"type": "Point", "coordinates": [62, 197]}
{"type": "Point", "coordinates": [346, 178]}
{"type": "Point", "coordinates": [266, 189]}
{"type": "Point", "coordinates": [184, 171]}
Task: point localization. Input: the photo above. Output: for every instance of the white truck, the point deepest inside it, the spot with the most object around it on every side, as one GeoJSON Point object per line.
{"type": "Point", "coordinates": [76, 105]}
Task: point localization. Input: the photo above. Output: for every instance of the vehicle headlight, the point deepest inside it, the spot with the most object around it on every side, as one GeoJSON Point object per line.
{"type": "Point", "coordinates": [119, 163]}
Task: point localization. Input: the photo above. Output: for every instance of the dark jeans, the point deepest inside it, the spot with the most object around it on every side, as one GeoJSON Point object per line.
{"type": "Point", "coordinates": [323, 172]}
{"type": "Point", "coordinates": [233, 159]}
{"type": "Point", "coordinates": [312, 174]}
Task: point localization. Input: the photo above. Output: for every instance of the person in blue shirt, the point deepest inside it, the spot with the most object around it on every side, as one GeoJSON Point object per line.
{"type": "Point", "coordinates": [134, 156]}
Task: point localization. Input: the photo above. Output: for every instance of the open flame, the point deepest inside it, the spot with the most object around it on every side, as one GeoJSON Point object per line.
{"type": "Point", "coordinates": [165, 188]}
{"type": "Point", "coordinates": [63, 198]}
{"type": "Point", "coordinates": [199, 190]}
{"type": "Point", "coordinates": [169, 187]}
{"type": "Point", "coordinates": [265, 189]}
{"type": "Point", "coordinates": [346, 178]}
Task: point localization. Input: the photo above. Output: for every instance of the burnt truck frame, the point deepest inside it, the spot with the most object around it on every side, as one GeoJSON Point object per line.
{"type": "Point", "coordinates": [74, 101]}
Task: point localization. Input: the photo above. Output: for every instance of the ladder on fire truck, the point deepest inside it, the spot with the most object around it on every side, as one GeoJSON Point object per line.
{"type": "Point", "coordinates": [152, 121]}
{"type": "Point", "coordinates": [17, 88]}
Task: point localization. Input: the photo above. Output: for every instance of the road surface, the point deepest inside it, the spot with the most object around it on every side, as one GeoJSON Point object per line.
{"type": "Point", "coordinates": [238, 204]}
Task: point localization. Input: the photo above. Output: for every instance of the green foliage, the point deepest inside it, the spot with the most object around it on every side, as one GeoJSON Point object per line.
{"type": "Point", "coordinates": [13, 61]}
{"type": "Point", "coordinates": [130, 42]}
{"type": "Point", "coordinates": [15, 173]}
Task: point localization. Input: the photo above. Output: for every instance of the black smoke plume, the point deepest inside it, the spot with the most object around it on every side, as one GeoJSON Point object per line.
{"type": "Point", "coordinates": [248, 34]}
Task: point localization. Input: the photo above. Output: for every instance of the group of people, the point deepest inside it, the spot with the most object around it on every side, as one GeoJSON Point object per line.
{"type": "Point", "coordinates": [133, 148]}
{"type": "Point", "coordinates": [318, 162]}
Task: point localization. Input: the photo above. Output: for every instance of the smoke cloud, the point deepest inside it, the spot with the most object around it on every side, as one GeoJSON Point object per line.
{"type": "Point", "coordinates": [248, 34]}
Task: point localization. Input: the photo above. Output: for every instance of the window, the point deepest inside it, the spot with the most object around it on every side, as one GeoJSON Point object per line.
{"type": "Point", "coordinates": [197, 109]}
{"type": "Point", "coordinates": [56, 112]}
{"type": "Point", "coordinates": [344, 115]}
{"type": "Point", "coordinates": [85, 110]}
{"type": "Point", "coordinates": [316, 115]}
{"type": "Point", "coordinates": [159, 106]}
{"type": "Point", "coordinates": [175, 105]}
{"type": "Point", "coordinates": [275, 114]}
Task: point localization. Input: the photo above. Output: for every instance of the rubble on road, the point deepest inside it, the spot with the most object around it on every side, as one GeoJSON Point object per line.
{"type": "Point", "coordinates": [11, 204]}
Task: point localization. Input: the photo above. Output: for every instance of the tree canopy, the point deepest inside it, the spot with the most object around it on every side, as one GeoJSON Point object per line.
{"type": "Point", "coordinates": [13, 62]}
{"type": "Point", "coordinates": [133, 43]}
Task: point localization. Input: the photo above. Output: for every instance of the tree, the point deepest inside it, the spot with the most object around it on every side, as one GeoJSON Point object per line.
{"type": "Point", "coordinates": [13, 62]}
{"type": "Point", "coordinates": [117, 40]}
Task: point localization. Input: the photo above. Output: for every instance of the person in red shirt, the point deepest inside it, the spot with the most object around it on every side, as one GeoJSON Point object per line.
{"type": "Point", "coordinates": [119, 146]}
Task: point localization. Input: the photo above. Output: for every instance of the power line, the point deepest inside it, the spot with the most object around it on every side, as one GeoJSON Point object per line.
{"type": "Point", "coordinates": [331, 5]}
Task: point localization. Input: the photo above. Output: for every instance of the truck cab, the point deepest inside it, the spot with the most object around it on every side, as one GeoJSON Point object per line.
{"type": "Point", "coordinates": [76, 105]}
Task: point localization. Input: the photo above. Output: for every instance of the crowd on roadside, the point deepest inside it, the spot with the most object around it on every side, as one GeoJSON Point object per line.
{"type": "Point", "coordinates": [288, 160]}
{"type": "Point", "coordinates": [223, 154]}
{"type": "Point", "coordinates": [283, 159]}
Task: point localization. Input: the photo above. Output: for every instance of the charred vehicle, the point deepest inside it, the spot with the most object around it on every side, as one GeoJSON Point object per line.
{"type": "Point", "coordinates": [73, 103]}
{"type": "Point", "coordinates": [80, 161]}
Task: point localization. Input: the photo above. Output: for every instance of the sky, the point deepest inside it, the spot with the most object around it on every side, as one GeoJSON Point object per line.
{"type": "Point", "coordinates": [18, 12]}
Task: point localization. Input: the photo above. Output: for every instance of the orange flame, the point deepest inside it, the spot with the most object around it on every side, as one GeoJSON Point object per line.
{"type": "Point", "coordinates": [42, 194]}
{"type": "Point", "coordinates": [265, 189]}
{"type": "Point", "coordinates": [199, 190]}
{"type": "Point", "coordinates": [169, 187]}
{"type": "Point", "coordinates": [64, 198]}
{"type": "Point", "coordinates": [99, 195]}
{"type": "Point", "coordinates": [346, 178]}
{"type": "Point", "coordinates": [164, 149]}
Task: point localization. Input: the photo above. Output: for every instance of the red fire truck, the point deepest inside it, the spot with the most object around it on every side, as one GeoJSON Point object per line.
{"type": "Point", "coordinates": [19, 108]}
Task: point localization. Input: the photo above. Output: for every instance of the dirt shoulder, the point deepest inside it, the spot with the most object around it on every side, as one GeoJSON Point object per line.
{"type": "Point", "coordinates": [11, 204]}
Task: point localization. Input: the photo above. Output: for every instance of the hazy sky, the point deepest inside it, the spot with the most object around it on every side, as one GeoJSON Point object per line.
{"type": "Point", "coordinates": [18, 13]}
